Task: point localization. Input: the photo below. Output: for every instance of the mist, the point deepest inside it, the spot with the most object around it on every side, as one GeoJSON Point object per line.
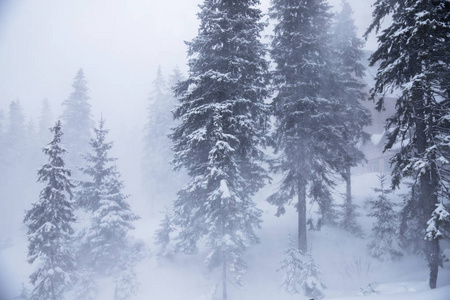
{"type": "Point", "coordinates": [120, 46]}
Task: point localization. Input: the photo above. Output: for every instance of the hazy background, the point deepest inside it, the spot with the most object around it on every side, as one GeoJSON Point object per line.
{"type": "Point", "coordinates": [119, 44]}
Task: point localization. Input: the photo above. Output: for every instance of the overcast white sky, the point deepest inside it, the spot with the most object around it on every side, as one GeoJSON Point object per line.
{"type": "Point", "coordinates": [119, 44]}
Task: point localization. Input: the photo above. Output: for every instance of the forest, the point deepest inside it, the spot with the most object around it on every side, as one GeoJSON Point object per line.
{"type": "Point", "coordinates": [283, 160]}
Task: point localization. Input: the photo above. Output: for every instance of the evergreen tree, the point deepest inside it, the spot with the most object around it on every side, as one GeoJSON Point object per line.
{"type": "Point", "coordinates": [162, 236]}
{"type": "Point", "coordinates": [219, 139]}
{"type": "Point", "coordinates": [15, 137]}
{"type": "Point", "coordinates": [49, 224]}
{"type": "Point", "coordinates": [384, 245]}
{"type": "Point", "coordinates": [157, 152]}
{"type": "Point", "coordinates": [347, 57]}
{"type": "Point", "coordinates": [77, 120]}
{"type": "Point", "coordinates": [414, 57]}
{"type": "Point", "coordinates": [301, 273]}
{"type": "Point", "coordinates": [112, 217]}
{"type": "Point", "coordinates": [45, 120]}
{"type": "Point", "coordinates": [309, 130]}
{"type": "Point", "coordinates": [174, 79]}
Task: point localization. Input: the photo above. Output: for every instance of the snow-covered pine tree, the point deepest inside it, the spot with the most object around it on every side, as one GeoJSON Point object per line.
{"type": "Point", "coordinates": [112, 218]}
{"type": "Point", "coordinates": [49, 224]}
{"type": "Point", "coordinates": [308, 132]}
{"type": "Point", "coordinates": [162, 236]}
{"type": "Point", "coordinates": [384, 245]}
{"type": "Point", "coordinates": [77, 121]}
{"type": "Point", "coordinates": [414, 57]}
{"type": "Point", "coordinates": [347, 57]}
{"type": "Point", "coordinates": [219, 139]}
{"type": "Point", "coordinates": [302, 275]}
{"type": "Point", "coordinates": [174, 79]}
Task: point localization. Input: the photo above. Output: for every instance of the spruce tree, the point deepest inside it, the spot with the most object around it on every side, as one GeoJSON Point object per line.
{"type": "Point", "coordinates": [15, 136]}
{"type": "Point", "coordinates": [49, 224]}
{"type": "Point", "coordinates": [219, 139]}
{"type": "Point", "coordinates": [308, 136]}
{"type": "Point", "coordinates": [414, 57]}
{"type": "Point", "coordinates": [347, 58]}
{"type": "Point", "coordinates": [77, 120]}
{"type": "Point", "coordinates": [162, 236]}
{"type": "Point", "coordinates": [384, 245]}
{"type": "Point", "coordinates": [102, 196]}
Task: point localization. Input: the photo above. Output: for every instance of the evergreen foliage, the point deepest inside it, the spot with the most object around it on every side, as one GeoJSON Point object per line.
{"type": "Point", "coordinates": [414, 57]}
{"type": "Point", "coordinates": [384, 245]}
{"type": "Point", "coordinates": [49, 224]}
{"type": "Point", "coordinates": [77, 120]}
{"type": "Point", "coordinates": [301, 273]}
{"type": "Point", "coordinates": [222, 114]}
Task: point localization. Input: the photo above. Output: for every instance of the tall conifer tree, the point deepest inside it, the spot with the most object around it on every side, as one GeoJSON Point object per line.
{"type": "Point", "coordinates": [49, 224]}
{"type": "Point", "coordinates": [414, 57]}
{"type": "Point", "coordinates": [222, 114]}
{"type": "Point", "coordinates": [308, 135]}
{"type": "Point", "coordinates": [77, 120]}
{"type": "Point", "coordinates": [347, 57]}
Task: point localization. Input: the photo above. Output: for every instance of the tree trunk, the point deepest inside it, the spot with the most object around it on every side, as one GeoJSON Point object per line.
{"type": "Point", "coordinates": [428, 186]}
{"type": "Point", "coordinates": [301, 209]}
{"type": "Point", "coordinates": [348, 181]}
{"type": "Point", "coordinates": [224, 279]}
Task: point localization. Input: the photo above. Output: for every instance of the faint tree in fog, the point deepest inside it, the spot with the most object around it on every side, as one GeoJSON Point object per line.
{"type": "Point", "coordinates": [157, 152]}
{"type": "Point", "coordinates": [49, 224]}
{"type": "Point", "coordinates": [347, 57]}
{"type": "Point", "coordinates": [308, 136]}
{"type": "Point", "coordinates": [77, 121]}
{"type": "Point", "coordinates": [384, 244]}
{"type": "Point", "coordinates": [104, 244]}
{"type": "Point", "coordinates": [414, 57]}
{"type": "Point", "coordinates": [15, 136]}
{"type": "Point", "coordinates": [45, 121]}
{"type": "Point", "coordinates": [219, 139]}
{"type": "Point", "coordinates": [162, 236]}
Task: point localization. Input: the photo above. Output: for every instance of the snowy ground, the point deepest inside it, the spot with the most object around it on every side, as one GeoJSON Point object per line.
{"type": "Point", "coordinates": [346, 266]}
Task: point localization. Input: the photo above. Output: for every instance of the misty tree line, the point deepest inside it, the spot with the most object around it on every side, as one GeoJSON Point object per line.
{"type": "Point", "coordinates": [222, 127]}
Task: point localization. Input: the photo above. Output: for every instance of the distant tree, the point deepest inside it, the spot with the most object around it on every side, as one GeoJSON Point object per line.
{"type": "Point", "coordinates": [174, 78]}
{"type": "Point", "coordinates": [384, 245]}
{"type": "Point", "coordinates": [220, 135]}
{"type": "Point", "coordinates": [414, 57]}
{"type": "Point", "coordinates": [102, 196]}
{"type": "Point", "coordinates": [301, 273]}
{"type": "Point", "coordinates": [15, 136]}
{"type": "Point", "coordinates": [157, 152]}
{"type": "Point", "coordinates": [77, 120]}
{"type": "Point", "coordinates": [347, 58]}
{"type": "Point", "coordinates": [45, 120]}
{"type": "Point", "coordinates": [49, 224]}
{"type": "Point", "coordinates": [162, 236]}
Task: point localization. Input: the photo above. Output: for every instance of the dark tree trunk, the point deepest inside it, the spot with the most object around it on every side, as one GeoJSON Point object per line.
{"type": "Point", "coordinates": [301, 209]}
{"type": "Point", "coordinates": [428, 187]}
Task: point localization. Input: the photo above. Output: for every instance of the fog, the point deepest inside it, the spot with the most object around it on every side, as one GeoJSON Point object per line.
{"type": "Point", "coordinates": [120, 44]}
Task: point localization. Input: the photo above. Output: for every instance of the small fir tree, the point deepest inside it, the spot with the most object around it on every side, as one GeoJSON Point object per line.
{"type": "Point", "coordinates": [301, 273]}
{"type": "Point", "coordinates": [162, 236]}
{"type": "Point", "coordinates": [384, 245]}
{"type": "Point", "coordinates": [49, 224]}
